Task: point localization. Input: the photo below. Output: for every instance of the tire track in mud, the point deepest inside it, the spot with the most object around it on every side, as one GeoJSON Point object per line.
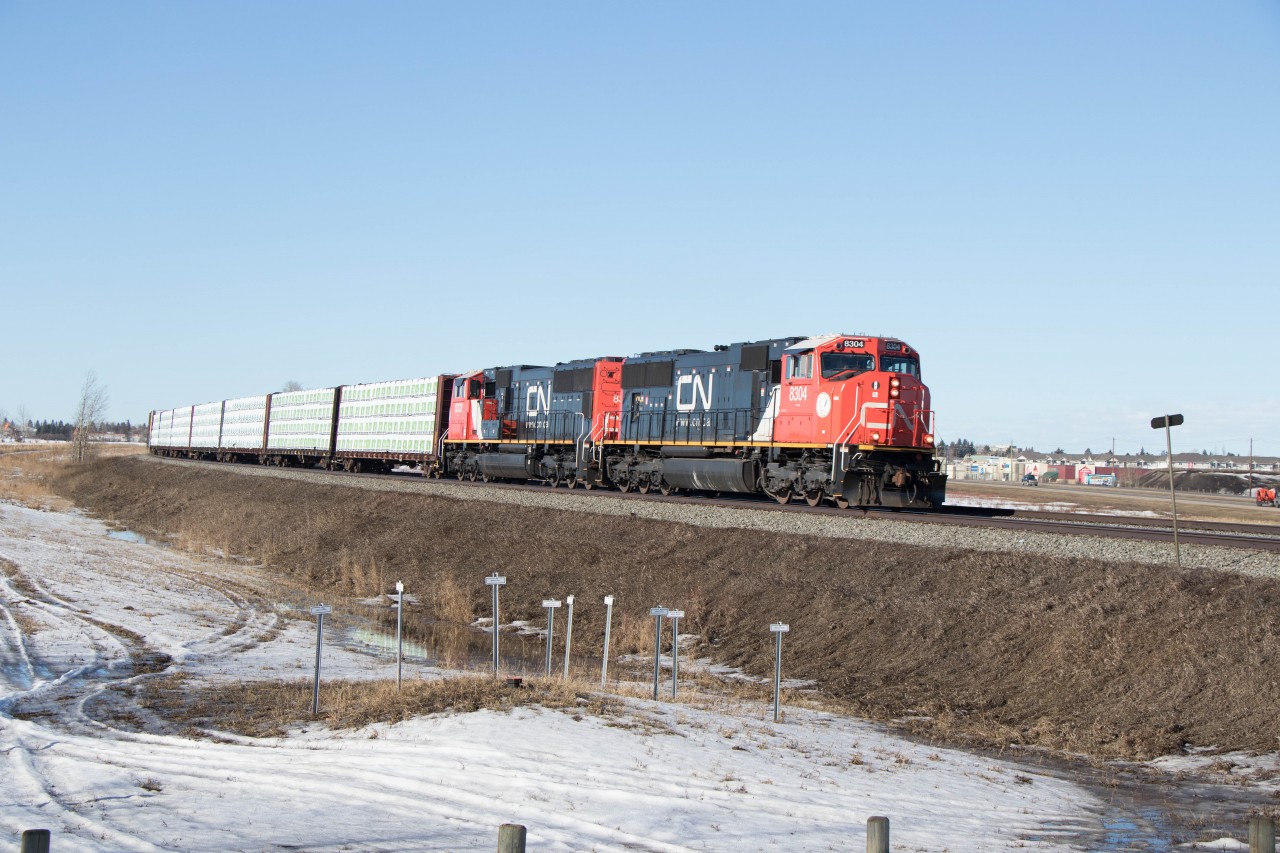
{"type": "Point", "coordinates": [71, 709]}
{"type": "Point", "coordinates": [13, 642]}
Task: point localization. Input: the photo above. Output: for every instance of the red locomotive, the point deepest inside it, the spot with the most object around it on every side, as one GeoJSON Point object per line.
{"type": "Point", "coordinates": [844, 418]}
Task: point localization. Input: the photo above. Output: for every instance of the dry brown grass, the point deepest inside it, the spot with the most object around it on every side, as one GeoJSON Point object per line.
{"type": "Point", "coordinates": [999, 648]}
{"type": "Point", "coordinates": [271, 708]}
{"type": "Point", "coordinates": [1192, 506]}
{"type": "Point", "coordinates": [20, 583]}
{"type": "Point", "coordinates": [26, 471]}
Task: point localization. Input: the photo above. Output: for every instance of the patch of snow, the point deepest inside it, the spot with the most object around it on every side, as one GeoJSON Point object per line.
{"type": "Point", "coordinates": [658, 776]}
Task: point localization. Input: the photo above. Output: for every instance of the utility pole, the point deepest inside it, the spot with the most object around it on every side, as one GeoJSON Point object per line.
{"type": "Point", "coordinates": [1251, 466]}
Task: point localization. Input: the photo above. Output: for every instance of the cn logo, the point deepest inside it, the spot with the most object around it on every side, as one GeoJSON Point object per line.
{"type": "Point", "coordinates": [690, 389]}
{"type": "Point", "coordinates": [535, 400]}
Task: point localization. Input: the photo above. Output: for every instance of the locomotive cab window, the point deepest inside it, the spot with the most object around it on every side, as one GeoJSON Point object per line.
{"type": "Point", "coordinates": [800, 366]}
{"type": "Point", "coordinates": [846, 364]}
{"type": "Point", "coordinates": [900, 364]}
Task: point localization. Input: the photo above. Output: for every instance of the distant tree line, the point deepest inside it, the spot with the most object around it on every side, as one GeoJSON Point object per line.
{"type": "Point", "coordinates": [62, 430]}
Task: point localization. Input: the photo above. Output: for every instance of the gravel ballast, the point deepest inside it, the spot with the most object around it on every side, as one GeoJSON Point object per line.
{"type": "Point", "coordinates": [922, 534]}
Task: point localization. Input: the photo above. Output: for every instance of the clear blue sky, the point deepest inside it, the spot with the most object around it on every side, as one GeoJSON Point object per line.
{"type": "Point", "coordinates": [1071, 209]}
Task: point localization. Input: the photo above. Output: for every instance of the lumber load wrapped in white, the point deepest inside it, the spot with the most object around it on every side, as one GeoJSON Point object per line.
{"type": "Point", "coordinates": [243, 421]}
{"type": "Point", "coordinates": [206, 425]}
{"type": "Point", "coordinates": [161, 428]}
{"type": "Point", "coordinates": [180, 430]}
{"type": "Point", "coordinates": [301, 420]}
{"type": "Point", "coordinates": [389, 417]}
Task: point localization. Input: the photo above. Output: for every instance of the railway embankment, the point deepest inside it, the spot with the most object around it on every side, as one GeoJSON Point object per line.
{"type": "Point", "coordinates": [1002, 639]}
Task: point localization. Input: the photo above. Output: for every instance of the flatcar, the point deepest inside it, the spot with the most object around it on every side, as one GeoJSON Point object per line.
{"type": "Point", "coordinates": [839, 418]}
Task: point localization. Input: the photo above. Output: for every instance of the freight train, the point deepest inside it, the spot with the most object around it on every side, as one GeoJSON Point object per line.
{"type": "Point", "coordinates": [839, 418]}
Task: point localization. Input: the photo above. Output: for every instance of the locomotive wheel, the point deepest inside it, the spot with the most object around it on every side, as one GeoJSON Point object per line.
{"type": "Point", "coordinates": [841, 502]}
{"type": "Point", "coordinates": [783, 497]}
{"type": "Point", "coordinates": [625, 486]}
{"type": "Point", "coordinates": [588, 484]}
{"type": "Point", "coordinates": [460, 474]}
{"type": "Point", "coordinates": [471, 475]}
{"type": "Point", "coordinates": [555, 479]}
{"type": "Point", "coordinates": [666, 488]}
{"type": "Point", "coordinates": [813, 498]}
{"type": "Point", "coordinates": [571, 480]}
{"type": "Point", "coordinates": [645, 486]}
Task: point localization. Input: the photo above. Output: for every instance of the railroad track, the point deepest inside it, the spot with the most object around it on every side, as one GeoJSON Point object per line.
{"type": "Point", "coordinates": [1255, 537]}
{"type": "Point", "coordinates": [1259, 537]}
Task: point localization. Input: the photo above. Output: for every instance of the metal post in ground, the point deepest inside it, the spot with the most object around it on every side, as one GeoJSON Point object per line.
{"type": "Point", "coordinates": [399, 633]}
{"type": "Point", "coordinates": [674, 616]}
{"type": "Point", "coordinates": [550, 604]}
{"type": "Point", "coordinates": [608, 620]}
{"type": "Point", "coordinates": [511, 838]}
{"type": "Point", "coordinates": [778, 628]}
{"type": "Point", "coordinates": [1262, 834]}
{"type": "Point", "coordinates": [494, 581]}
{"type": "Point", "coordinates": [568, 634]}
{"type": "Point", "coordinates": [319, 612]}
{"type": "Point", "coordinates": [877, 835]}
{"type": "Point", "coordinates": [35, 841]}
{"type": "Point", "coordinates": [1167, 422]}
{"type": "Point", "coordinates": [657, 612]}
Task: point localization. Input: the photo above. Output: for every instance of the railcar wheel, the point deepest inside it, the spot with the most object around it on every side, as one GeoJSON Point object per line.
{"type": "Point", "coordinates": [783, 497]}
{"type": "Point", "coordinates": [813, 498]}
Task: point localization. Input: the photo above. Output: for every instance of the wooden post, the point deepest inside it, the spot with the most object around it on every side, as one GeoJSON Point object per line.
{"type": "Point", "coordinates": [877, 835]}
{"type": "Point", "coordinates": [1262, 835]}
{"type": "Point", "coordinates": [35, 841]}
{"type": "Point", "coordinates": [511, 838]}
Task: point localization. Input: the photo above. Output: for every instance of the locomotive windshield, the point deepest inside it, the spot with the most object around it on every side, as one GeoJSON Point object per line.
{"type": "Point", "coordinates": [846, 364]}
{"type": "Point", "coordinates": [900, 364]}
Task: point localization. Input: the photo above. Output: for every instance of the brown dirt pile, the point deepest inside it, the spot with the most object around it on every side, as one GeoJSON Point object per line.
{"type": "Point", "coordinates": [1095, 657]}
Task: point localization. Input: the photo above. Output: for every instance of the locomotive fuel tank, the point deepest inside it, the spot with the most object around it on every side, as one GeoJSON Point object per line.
{"type": "Point", "coordinates": [506, 466]}
{"type": "Point", "coordinates": [712, 475]}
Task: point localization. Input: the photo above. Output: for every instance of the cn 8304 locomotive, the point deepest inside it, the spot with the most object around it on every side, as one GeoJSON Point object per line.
{"type": "Point", "coordinates": [839, 418]}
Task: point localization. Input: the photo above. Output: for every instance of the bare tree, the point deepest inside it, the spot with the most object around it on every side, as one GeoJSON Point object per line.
{"type": "Point", "coordinates": [20, 427]}
{"type": "Point", "coordinates": [292, 385]}
{"type": "Point", "coordinates": [93, 405]}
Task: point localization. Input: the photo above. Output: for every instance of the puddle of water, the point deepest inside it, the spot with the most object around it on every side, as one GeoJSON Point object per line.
{"type": "Point", "coordinates": [1150, 814]}
{"type": "Point", "coordinates": [383, 643]}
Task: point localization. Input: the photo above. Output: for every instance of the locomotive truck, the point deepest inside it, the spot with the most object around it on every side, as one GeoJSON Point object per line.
{"type": "Point", "coordinates": [839, 418]}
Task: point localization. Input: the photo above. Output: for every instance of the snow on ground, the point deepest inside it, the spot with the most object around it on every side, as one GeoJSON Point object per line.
{"type": "Point", "coordinates": [1036, 506]}
{"type": "Point", "coordinates": [660, 777]}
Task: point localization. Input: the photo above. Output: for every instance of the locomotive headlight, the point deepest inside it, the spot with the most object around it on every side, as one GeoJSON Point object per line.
{"type": "Point", "coordinates": [893, 387]}
{"type": "Point", "coordinates": [875, 436]}
{"type": "Point", "coordinates": [928, 439]}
